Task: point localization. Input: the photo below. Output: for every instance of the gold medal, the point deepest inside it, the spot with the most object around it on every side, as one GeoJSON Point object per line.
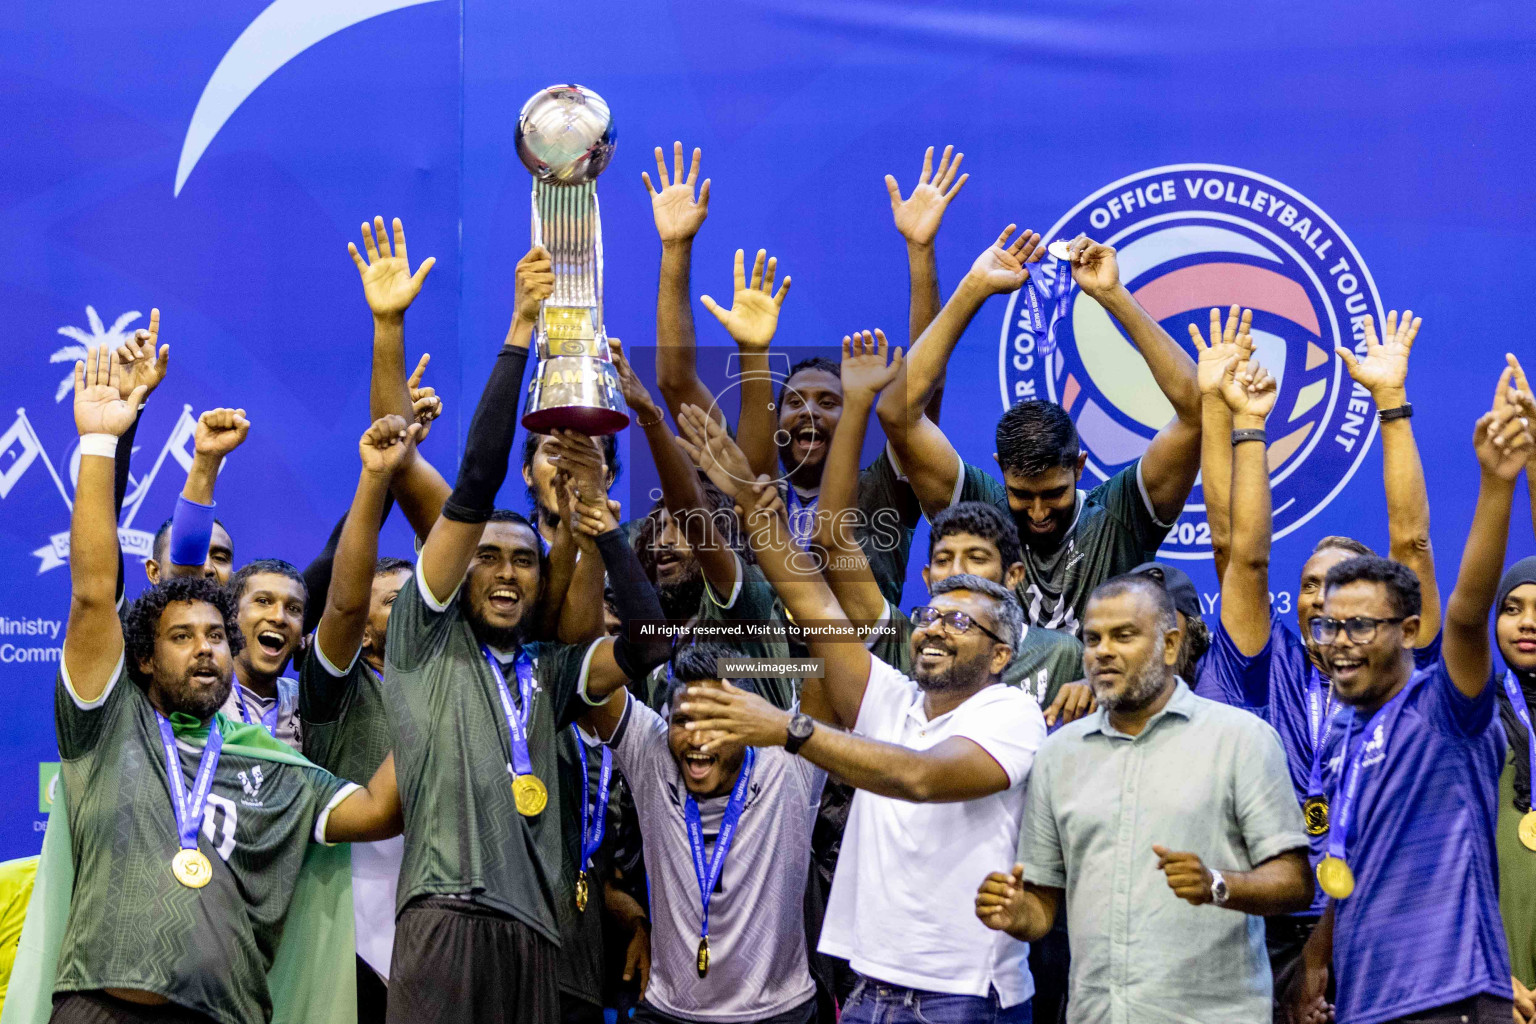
{"type": "Point", "coordinates": [1315, 813]}
{"type": "Point", "coordinates": [1335, 878]}
{"type": "Point", "coordinates": [581, 891]}
{"type": "Point", "coordinates": [530, 795]}
{"type": "Point", "coordinates": [703, 957]}
{"type": "Point", "coordinates": [1528, 830]}
{"type": "Point", "coordinates": [192, 868]}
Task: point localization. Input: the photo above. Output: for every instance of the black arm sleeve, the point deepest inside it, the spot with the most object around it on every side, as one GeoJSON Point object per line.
{"type": "Point", "coordinates": [489, 443]}
{"type": "Point", "coordinates": [636, 601]}
{"type": "Point", "coordinates": [317, 574]}
{"type": "Point", "coordinates": [120, 489]}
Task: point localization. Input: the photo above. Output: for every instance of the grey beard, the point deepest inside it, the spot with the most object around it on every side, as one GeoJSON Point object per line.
{"type": "Point", "coordinates": [1146, 684]}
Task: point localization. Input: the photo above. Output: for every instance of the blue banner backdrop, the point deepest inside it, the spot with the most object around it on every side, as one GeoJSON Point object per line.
{"type": "Point", "coordinates": [1315, 162]}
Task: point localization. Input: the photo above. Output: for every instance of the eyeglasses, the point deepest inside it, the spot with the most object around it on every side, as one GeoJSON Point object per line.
{"type": "Point", "coordinates": [1361, 629]}
{"type": "Point", "coordinates": [954, 622]}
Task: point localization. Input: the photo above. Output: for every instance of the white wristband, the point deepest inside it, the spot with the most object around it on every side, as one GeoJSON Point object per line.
{"type": "Point", "coordinates": [99, 444]}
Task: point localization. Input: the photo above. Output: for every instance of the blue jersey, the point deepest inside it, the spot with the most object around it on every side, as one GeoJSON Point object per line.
{"type": "Point", "coordinates": [1276, 685]}
{"type": "Point", "coordinates": [1422, 928]}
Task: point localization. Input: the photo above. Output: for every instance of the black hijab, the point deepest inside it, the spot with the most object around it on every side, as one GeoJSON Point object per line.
{"type": "Point", "coordinates": [1519, 574]}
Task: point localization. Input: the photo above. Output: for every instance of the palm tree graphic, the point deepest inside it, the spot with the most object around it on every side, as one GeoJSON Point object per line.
{"type": "Point", "coordinates": [99, 335]}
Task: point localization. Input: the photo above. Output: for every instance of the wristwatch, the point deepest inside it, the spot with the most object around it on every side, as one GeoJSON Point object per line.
{"type": "Point", "coordinates": [1219, 890]}
{"type": "Point", "coordinates": [800, 728]}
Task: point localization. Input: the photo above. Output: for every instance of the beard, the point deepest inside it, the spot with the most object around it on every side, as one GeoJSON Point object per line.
{"type": "Point", "coordinates": [1143, 688]}
{"type": "Point", "coordinates": [680, 600]}
{"type": "Point", "coordinates": [958, 675]}
{"type": "Point", "coordinates": [191, 699]}
{"type": "Point", "coordinates": [504, 638]}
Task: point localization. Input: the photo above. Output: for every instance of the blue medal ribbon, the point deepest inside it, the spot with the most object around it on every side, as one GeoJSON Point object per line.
{"type": "Point", "coordinates": [517, 718]}
{"type": "Point", "coordinates": [594, 813]}
{"type": "Point", "coordinates": [1059, 304]}
{"type": "Point", "coordinates": [802, 516]}
{"type": "Point", "coordinates": [1522, 712]}
{"type": "Point", "coordinates": [189, 807]}
{"type": "Point", "coordinates": [1321, 714]}
{"type": "Point", "coordinates": [268, 718]}
{"type": "Point", "coordinates": [1354, 754]}
{"type": "Point", "coordinates": [709, 875]}
{"type": "Point", "coordinates": [1032, 300]}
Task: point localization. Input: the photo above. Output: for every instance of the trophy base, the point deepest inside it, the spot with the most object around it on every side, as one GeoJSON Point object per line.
{"type": "Point", "coordinates": [584, 419]}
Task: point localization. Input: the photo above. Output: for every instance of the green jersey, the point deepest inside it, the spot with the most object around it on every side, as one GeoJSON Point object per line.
{"type": "Point", "coordinates": [888, 513]}
{"type": "Point", "coordinates": [1045, 661]}
{"type": "Point", "coordinates": [1113, 532]}
{"type": "Point", "coordinates": [753, 605]}
{"type": "Point", "coordinates": [131, 923]}
{"type": "Point", "coordinates": [453, 761]}
{"type": "Point", "coordinates": [346, 730]}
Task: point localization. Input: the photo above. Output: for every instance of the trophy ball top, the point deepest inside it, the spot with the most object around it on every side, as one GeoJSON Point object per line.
{"type": "Point", "coordinates": [565, 134]}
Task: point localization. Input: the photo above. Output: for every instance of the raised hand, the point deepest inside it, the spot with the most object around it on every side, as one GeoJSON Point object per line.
{"type": "Point", "coordinates": [388, 284]}
{"type": "Point", "coordinates": [678, 215]}
{"type": "Point", "coordinates": [1248, 389]}
{"type": "Point", "coordinates": [1002, 267]}
{"type": "Point", "coordinates": [713, 450]}
{"type": "Point", "coordinates": [425, 405]}
{"type": "Point", "coordinates": [635, 394]}
{"type": "Point", "coordinates": [1225, 342]}
{"type": "Point", "coordinates": [754, 312]}
{"type": "Point", "coordinates": [919, 215]}
{"type": "Point", "coordinates": [1187, 875]}
{"type": "Point", "coordinates": [142, 364]}
{"type": "Point", "coordinates": [580, 458]}
{"type": "Point", "coordinates": [592, 519]}
{"type": "Point", "coordinates": [1000, 901]}
{"type": "Point", "coordinates": [865, 371]}
{"type": "Point", "coordinates": [759, 500]}
{"type": "Point", "coordinates": [1502, 436]}
{"type": "Point", "coordinates": [1093, 266]}
{"type": "Point", "coordinates": [1385, 366]}
{"type": "Point", "coordinates": [385, 444]}
{"type": "Point", "coordinates": [219, 432]}
{"type": "Point", "coordinates": [535, 282]}
{"type": "Point", "coordinates": [100, 406]}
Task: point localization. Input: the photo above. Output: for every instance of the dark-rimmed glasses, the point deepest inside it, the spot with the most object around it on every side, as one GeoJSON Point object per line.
{"type": "Point", "coordinates": [1361, 629]}
{"type": "Point", "coordinates": [954, 621]}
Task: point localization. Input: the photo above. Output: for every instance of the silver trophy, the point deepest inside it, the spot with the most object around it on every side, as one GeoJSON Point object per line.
{"type": "Point", "coordinates": [565, 137]}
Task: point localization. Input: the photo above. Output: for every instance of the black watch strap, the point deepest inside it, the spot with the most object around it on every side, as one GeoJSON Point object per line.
{"type": "Point", "coordinates": [800, 728]}
{"type": "Point", "coordinates": [1239, 436]}
{"type": "Point", "coordinates": [1402, 412]}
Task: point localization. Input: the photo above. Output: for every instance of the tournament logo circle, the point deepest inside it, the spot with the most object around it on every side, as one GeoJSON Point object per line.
{"type": "Point", "coordinates": [1189, 237]}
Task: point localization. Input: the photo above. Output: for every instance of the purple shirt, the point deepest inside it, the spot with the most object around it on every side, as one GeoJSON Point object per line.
{"type": "Point", "coordinates": [1422, 928]}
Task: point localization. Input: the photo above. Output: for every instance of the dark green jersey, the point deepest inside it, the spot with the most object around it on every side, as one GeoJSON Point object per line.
{"type": "Point", "coordinates": [131, 924]}
{"type": "Point", "coordinates": [754, 608]}
{"type": "Point", "coordinates": [581, 932]}
{"type": "Point", "coordinates": [346, 730]}
{"type": "Point", "coordinates": [1045, 661]}
{"type": "Point", "coordinates": [463, 834]}
{"type": "Point", "coordinates": [888, 513]}
{"type": "Point", "coordinates": [1114, 531]}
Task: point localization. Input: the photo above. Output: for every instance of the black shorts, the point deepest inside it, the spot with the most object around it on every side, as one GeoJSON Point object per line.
{"type": "Point", "coordinates": [100, 1008]}
{"type": "Point", "coordinates": [456, 961]}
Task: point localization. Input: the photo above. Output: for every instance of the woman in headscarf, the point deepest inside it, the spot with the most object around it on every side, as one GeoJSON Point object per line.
{"type": "Point", "coordinates": [1515, 630]}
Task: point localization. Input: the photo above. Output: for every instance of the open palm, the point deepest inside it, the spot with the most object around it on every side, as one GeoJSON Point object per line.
{"type": "Point", "coordinates": [99, 407]}
{"type": "Point", "coordinates": [1225, 342]}
{"type": "Point", "coordinates": [754, 314]}
{"type": "Point", "coordinates": [388, 284]}
{"type": "Point", "coordinates": [865, 368]}
{"type": "Point", "coordinates": [1002, 267]}
{"type": "Point", "coordinates": [1385, 365]}
{"type": "Point", "coordinates": [678, 214]}
{"type": "Point", "coordinates": [919, 215]}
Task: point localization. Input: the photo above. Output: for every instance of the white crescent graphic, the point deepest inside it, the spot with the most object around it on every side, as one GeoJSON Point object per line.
{"type": "Point", "coordinates": [280, 33]}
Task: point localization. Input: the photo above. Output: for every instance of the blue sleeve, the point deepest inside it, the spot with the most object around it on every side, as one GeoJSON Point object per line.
{"type": "Point", "coordinates": [1425, 657]}
{"type": "Point", "coordinates": [1452, 711]}
{"type": "Point", "coordinates": [1227, 675]}
{"type": "Point", "coordinates": [191, 533]}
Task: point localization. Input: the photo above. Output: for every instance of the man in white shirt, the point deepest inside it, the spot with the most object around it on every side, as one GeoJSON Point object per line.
{"type": "Point", "coordinates": [940, 762]}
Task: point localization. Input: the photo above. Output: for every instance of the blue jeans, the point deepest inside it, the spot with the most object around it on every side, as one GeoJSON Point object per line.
{"type": "Point", "coordinates": [873, 1002]}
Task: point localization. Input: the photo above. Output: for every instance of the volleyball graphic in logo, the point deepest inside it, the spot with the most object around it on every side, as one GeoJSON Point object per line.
{"type": "Point", "coordinates": [1189, 237]}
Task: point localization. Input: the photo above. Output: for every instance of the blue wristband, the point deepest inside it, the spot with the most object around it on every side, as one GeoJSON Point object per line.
{"type": "Point", "coordinates": [191, 532]}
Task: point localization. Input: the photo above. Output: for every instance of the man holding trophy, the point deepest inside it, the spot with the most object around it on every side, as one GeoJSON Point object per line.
{"type": "Point", "coordinates": [475, 706]}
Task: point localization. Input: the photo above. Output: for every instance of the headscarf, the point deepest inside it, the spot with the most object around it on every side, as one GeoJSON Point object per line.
{"type": "Point", "coordinates": [1519, 574]}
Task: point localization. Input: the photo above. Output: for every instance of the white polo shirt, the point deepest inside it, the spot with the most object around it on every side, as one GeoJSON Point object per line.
{"type": "Point", "coordinates": [903, 903]}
